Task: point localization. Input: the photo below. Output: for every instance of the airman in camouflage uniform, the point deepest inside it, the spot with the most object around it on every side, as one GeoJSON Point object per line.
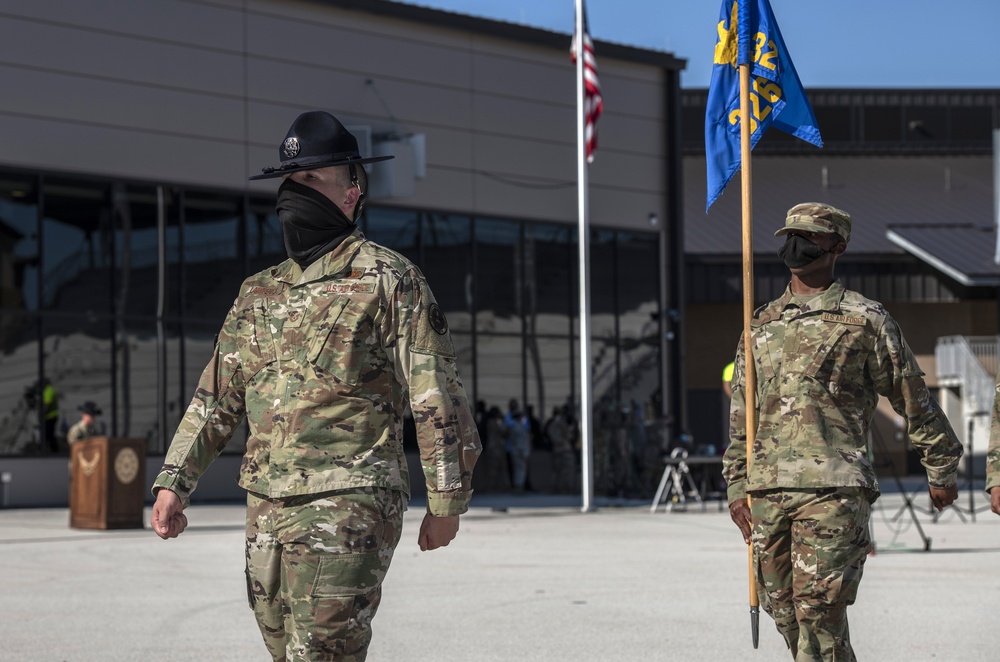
{"type": "Point", "coordinates": [822, 355]}
{"type": "Point", "coordinates": [87, 426]}
{"type": "Point", "coordinates": [993, 455]}
{"type": "Point", "coordinates": [322, 354]}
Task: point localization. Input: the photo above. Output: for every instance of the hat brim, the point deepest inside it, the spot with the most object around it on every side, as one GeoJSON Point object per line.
{"type": "Point", "coordinates": [804, 226]}
{"type": "Point", "coordinates": [313, 163]}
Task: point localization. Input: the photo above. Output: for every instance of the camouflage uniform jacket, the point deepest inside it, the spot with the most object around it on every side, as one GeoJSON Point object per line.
{"type": "Point", "coordinates": [993, 454]}
{"type": "Point", "coordinates": [820, 371]}
{"type": "Point", "coordinates": [323, 363]}
{"type": "Point", "coordinates": [81, 431]}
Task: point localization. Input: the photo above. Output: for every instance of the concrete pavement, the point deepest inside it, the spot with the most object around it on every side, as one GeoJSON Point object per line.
{"type": "Point", "coordinates": [541, 581]}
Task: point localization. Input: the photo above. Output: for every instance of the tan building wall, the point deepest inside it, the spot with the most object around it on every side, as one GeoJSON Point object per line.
{"type": "Point", "coordinates": [202, 92]}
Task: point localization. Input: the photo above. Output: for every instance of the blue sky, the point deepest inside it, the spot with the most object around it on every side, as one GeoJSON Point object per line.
{"type": "Point", "coordinates": [834, 43]}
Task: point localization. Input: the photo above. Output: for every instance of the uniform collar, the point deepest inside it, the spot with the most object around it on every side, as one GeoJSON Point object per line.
{"type": "Point", "coordinates": [827, 301]}
{"type": "Point", "coordinates": [334, 262]}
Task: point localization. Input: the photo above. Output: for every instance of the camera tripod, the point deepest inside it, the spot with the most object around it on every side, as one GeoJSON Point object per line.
{"type": "Point", "coordinates": [907, 499]}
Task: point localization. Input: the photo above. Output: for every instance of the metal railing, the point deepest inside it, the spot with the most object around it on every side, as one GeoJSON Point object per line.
{"type": "Point", "coordinates": [970, 364]}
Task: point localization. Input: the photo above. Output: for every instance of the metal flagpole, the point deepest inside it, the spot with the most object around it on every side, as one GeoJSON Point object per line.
{"type": "Point", "coordinates": [996, 191]}
{"type": "Point", "coordinates": [586, 448]}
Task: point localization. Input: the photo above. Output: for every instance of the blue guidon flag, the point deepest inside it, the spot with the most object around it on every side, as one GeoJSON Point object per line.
{"type": "Point", "coordinates": [748, 34]}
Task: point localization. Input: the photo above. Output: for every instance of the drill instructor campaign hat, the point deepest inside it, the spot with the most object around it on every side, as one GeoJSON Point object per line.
{"type": "Point", "coordinates": [817, 217]}
{"type": "Point", "coordinates": [316, 139]}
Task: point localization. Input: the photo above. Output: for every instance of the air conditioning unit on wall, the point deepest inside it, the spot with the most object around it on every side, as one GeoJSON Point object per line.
{"type": "Point", "coordinates": [395, 178]}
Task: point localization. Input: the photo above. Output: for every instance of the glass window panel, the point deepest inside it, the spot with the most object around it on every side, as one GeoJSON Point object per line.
{"type": "Point", "coordinates": [77, 255]}
{"type": "Point", "coordinates": [79, 357]}
{"type": "Point", "coordinates": [265, 245]}
{"type": "Point", "coordinates": [498, 276]}
{"type": "Point", "coordinates": [19, 326]}
{"type": "Point", "coordinates": [396, 229]}
{"type": "Point", "coordinates": [214, 265]}
{"type": "Point", "coordinates": [447, 264]}
{"type": "Point", "coordinates": [601, 264]}
{"type": "Point", "coordinates": [136, 272]}
{"type": "Point", "coordinates": [638, 326]}
{"type": "Point", "coordinates": [19, 367]}
{"type": "Point", "coordinates": [549, 263]}
{"type": "Point", "coordinates": [498, 375]}
{"type": "Point", "coordinates": [137, 411]}
{"type": "Point", "coordinates": [551, 371]}
{"type": "Point", "coordinates": [18, 243]}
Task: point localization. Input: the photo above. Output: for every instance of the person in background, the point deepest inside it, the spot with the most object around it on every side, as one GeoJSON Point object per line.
{"type": "Point", "coordinates": [518, 429]}
{"type": "Point", "coordinates": [87, 426]}
{"type": "Point", "coordinates": [557, 429]}
{"type": "Point", "coordinates": [993, 455]}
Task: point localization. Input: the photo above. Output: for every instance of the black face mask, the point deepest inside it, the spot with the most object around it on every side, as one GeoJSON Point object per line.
{"type": "Point", "coordinates": [310, 223]}
{"type": "Point", "coordinates": [798, 251]}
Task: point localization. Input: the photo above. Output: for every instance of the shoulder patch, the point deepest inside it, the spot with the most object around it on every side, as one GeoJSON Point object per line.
{"type": "Point", "coordinates": [437, 319]}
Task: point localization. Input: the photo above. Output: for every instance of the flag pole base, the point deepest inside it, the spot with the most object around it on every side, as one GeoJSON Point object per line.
{"type": "Point", "coordinates": [755, 626]}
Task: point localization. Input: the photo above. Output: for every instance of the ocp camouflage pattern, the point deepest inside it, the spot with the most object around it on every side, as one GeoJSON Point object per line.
{"type": "Point", "coordinates": [315, 567]}
{"type": "Point", "coordinates": [323, 363]}
{"type": "Point", "coordinates": [820, 370]}
{"type": "Point", "coordinates": [993, 453]}
{"type": "Point", "coordinates": [810, 548]}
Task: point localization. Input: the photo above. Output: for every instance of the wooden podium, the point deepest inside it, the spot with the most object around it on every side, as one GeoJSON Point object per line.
{"type": "Point", "coordinates": [107, 483]}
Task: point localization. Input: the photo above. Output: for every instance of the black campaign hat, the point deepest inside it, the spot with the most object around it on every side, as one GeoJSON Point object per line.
{"type": "Point", "coordinates": [90, 407]}
{"type": "Point", "coordinates": [316, 139]}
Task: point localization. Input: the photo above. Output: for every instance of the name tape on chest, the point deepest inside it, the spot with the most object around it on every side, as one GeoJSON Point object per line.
{"type": "Point", "coordinates": [350, 288]}
{"type": "Point", "coordinates": [264, 291]}
{"type": "Point", "coordinates": [844, 319]}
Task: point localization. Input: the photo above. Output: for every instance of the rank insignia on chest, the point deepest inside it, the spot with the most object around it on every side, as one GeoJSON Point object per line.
{"type": "Point", "coordinates": [355, 273]}
{"type": "Point", "coordinates": [844, 319]}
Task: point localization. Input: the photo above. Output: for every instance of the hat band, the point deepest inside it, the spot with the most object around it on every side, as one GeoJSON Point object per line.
{"type": "Point", "coordinates": [342, 158]}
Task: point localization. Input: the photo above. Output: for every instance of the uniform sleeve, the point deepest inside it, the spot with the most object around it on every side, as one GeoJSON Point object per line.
{"type": "Point", "coordinates": [214, 413]}
{"type": "Point", "coordinates": [423, 356]}
{"type": "Point", "coordinates": [734, 461]}
{"type": "Point", "coordinates": [898, 377]}
{"type": "Point", "coordinates": [993, 454]}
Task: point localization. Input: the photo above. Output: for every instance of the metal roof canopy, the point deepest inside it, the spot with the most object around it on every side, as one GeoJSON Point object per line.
{"type": "Point", "coordinates": [962, 252]}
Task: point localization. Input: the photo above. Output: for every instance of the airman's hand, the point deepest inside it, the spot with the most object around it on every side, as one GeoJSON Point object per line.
{"type": "Point", "coordinates": [740, 512]}
{"type": "Point", "coordinates": [943, 497]}
{"type": "Point", "coordinates": [437, 531]}
{"type": "Point", "coordinates": [995, 500]}
{"type": "Point", "coordinates": [168, 518]}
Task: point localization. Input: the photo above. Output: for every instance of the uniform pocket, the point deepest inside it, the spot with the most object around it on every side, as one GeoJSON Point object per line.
{"type": "Point", "coordinates": [344, 575]}
{"type": "Point", "coordinates": [839, 359]}
{"type": "Point", "coordinates": [254, 339]}
{"type": "Point", "coordinates": [343, 343]}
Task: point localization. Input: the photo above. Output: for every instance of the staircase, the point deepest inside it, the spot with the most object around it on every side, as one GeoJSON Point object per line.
{"type": "Point", "coordinates": [966, 366]}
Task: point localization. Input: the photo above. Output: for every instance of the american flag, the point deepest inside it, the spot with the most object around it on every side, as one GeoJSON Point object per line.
{"type": "Point", "coordinates": [593, 104]}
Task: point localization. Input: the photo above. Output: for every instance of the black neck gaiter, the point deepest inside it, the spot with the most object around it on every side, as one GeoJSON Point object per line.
{"type": "Point", "coordinates": [798, 251]}
{"type": "Point", "coordinates": [311, 224]}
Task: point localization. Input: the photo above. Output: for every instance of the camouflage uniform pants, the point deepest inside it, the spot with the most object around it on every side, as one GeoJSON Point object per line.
{"type": "Point", "coordinates": [810, 548]}
{"type": "Point", "coordinates": [315, 566]}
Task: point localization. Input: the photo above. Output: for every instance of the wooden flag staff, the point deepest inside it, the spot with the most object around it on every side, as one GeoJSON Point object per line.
{"type": "Point", "coordinates": [750, 371]}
